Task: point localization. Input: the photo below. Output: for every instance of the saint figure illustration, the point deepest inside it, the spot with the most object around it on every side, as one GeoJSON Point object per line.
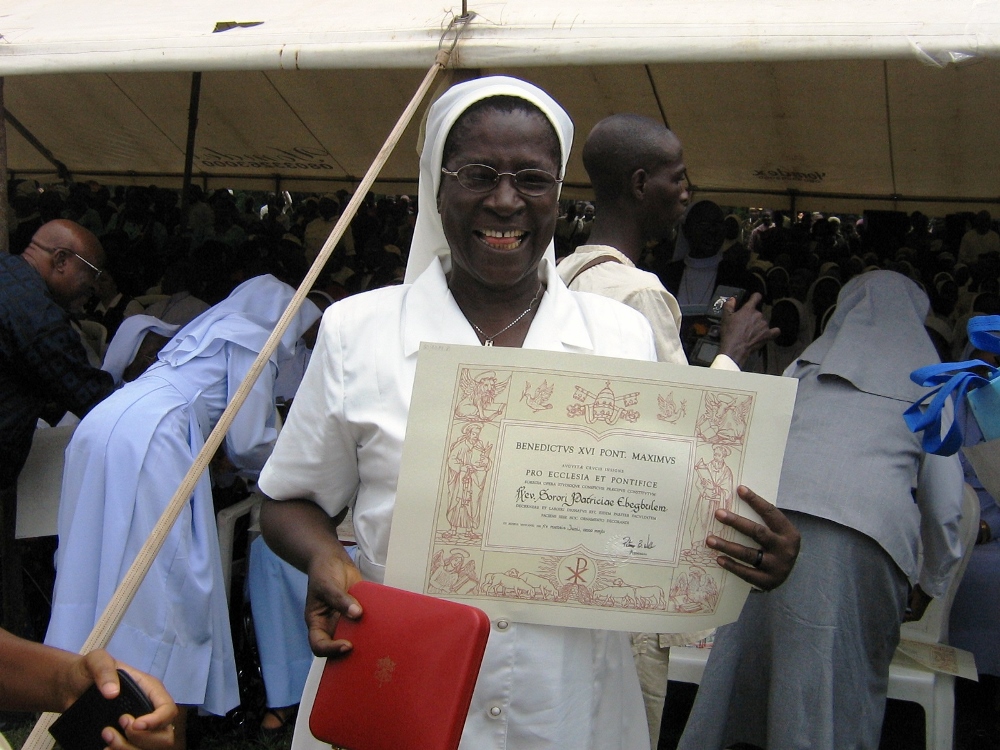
{"type": "Point", "coordinates": [468, 463]}
{"type": "Point", "coordinates": [715, 487]}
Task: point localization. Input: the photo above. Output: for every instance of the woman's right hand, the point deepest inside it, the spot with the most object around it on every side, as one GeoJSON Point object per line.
{"type": "Point", "coordinates": [302, 533]}
{"type": "Point", "coordinates": [327, 599]}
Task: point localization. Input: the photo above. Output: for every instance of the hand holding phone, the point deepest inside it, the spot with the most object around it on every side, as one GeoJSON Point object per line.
{"type": "Point", "coordinates": [80, 726]}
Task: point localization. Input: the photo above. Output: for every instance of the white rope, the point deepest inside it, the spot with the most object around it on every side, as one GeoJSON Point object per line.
{"type": "Point", "coordinates": [40, 739]}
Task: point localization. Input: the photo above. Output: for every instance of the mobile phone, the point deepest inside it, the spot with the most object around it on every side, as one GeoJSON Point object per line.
{"type": "Point", "coordinates": [80, 726]}
{"type": "Point", "coordinates": [721, 294]}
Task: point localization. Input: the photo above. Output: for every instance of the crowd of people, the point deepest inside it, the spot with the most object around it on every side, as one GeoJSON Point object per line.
{"type": "Point", "coordinates": [212, 245]}
{"type": "Point", "coordinates": [801, 260]}
{"type": "Point", "coordinates": [186, 291]}
{"type": "Point", "coordinates": [799, 265]}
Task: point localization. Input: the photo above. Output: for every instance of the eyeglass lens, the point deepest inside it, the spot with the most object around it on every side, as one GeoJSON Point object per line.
{"type": "Point", "coordinates": [481, 178]}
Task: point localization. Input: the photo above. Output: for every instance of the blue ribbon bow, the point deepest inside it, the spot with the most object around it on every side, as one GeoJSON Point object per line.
{"type": "Point", "coordinates": [953, 379]}
{"type": "Point", "coordinates": [984, 333]}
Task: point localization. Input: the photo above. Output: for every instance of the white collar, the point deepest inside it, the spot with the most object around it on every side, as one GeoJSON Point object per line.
{"type": "Point", "coordinates": [430, 313]}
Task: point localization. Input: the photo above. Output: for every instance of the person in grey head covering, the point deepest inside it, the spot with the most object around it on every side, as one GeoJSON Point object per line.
{"type": "Point", "coordinates": [817, 672]}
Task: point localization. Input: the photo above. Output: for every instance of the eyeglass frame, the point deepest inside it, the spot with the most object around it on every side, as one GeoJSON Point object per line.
{"type": "Point", "coordinates": [98, 272]}
{"type": "Point", "coordinates": [499, 175]}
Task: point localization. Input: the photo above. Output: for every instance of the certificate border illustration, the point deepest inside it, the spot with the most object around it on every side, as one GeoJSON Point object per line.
{"type": "Point", "coordinates": [520, 466]}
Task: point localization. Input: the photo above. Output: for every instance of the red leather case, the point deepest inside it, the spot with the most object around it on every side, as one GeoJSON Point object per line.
{"type": "Point", "coordinates": [408, 681]}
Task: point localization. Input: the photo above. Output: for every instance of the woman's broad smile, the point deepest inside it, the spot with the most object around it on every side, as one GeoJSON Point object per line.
{"type": "Point", "coordinates": [498, 240]}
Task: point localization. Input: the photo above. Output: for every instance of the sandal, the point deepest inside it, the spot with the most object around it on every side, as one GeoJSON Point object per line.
{"type": "Point", "coordinates": [285, 717]}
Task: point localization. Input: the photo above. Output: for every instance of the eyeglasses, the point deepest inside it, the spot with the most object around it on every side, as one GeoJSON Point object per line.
{"type": "Point", "coordinates": [97, 271]}
{"type": "Point", "coordinates": [482, 178]}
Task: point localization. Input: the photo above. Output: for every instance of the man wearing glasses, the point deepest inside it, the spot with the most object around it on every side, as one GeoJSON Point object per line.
{"type": "Point", "coordinates": [43, 365]}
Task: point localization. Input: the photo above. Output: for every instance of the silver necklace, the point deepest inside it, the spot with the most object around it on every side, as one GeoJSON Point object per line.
{"type": "Point", "coordinates": [488, 340]}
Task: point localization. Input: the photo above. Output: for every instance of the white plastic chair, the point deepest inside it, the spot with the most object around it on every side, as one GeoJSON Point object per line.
{"type": "Point", "coordinates": [226, 522]}
{"type": "Point", "coordinates": [908, 680]}
{"type": "Point", "coordinates": [40, 483]}
{"type": "Point", "coordinates": [911, 681]}
{"type": "Point", "coordinates": [95, 337]}
{"type": "Point", "coordinates": [150, 299]}
{"type": "Point", "coordinates": [226, 519]}
{"type": "Point", "coordinates": [687, 663]}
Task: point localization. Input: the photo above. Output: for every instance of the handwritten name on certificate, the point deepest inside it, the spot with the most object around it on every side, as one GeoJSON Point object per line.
{"type": "Point", "coordinates": [565, 489]}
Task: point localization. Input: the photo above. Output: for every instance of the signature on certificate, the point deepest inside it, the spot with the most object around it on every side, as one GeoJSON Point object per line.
{"type": "Point", "coordinates": [646, 543]}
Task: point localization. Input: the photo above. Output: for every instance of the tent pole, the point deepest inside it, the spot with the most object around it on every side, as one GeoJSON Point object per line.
{"type": "Point", "coordinates": [193, 104]}
{"type": "Point", "coordinates": [656, 96]}
{"type": "Point", "coordinates": [4, 218]}
{"type": "Point", "coordinates": [61, 169]}
{"type": "Point", "coordinates": [888, 130]}
{"type": "Point", "coordinates": [40, 739]}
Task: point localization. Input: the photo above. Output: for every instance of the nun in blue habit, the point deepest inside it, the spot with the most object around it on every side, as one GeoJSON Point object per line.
{"type": "Point", "coordinates": [125, 461]}
{"type": "Point", "coordinates": [130, 354]}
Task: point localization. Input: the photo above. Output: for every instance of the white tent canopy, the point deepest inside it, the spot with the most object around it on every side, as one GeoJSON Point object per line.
{"type": "Point", "coordinates": [842, 105]}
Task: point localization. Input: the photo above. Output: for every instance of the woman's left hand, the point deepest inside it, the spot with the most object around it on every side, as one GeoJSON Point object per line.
{"type": "Point", "coordinates": [768, 565]}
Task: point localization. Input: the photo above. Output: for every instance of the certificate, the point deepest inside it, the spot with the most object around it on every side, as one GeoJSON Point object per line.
{"type": "Point", "coordinates": [567, 489]}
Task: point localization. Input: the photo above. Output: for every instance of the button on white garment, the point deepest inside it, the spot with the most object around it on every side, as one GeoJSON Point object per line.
{"type": "Point", "coordinates": [502, 624]}
{"type": "Point", "coordinates": [495, 711]}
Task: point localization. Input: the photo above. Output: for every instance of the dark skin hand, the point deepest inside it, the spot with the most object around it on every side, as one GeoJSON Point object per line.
{"type": "Point", "coordinates": [303, 534]}
{"type": "Point", "coordinates": [744, 331]}
{"type": "Point", "coordinates": [915, 608]}
{"type": "Point", "coordinates": [35, 677]}
{"type": "Point", "coordinates": [776, 536]}
{"type": "Point", "coordinates": [326, 598]}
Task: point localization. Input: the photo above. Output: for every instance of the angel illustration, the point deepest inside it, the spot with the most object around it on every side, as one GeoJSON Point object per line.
{"type": "Point", "coordinates": [454, 574]}
{"type": "Point", "coordinates": [539, 400]}
{"type": "Point", "coordinates": [479, 395]}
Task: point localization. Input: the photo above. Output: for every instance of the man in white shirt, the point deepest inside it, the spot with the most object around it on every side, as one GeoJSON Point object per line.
{"type": "Point", "coordinates": [640, 182]}
{"type": "Point", "coordinates": [637, 169]}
